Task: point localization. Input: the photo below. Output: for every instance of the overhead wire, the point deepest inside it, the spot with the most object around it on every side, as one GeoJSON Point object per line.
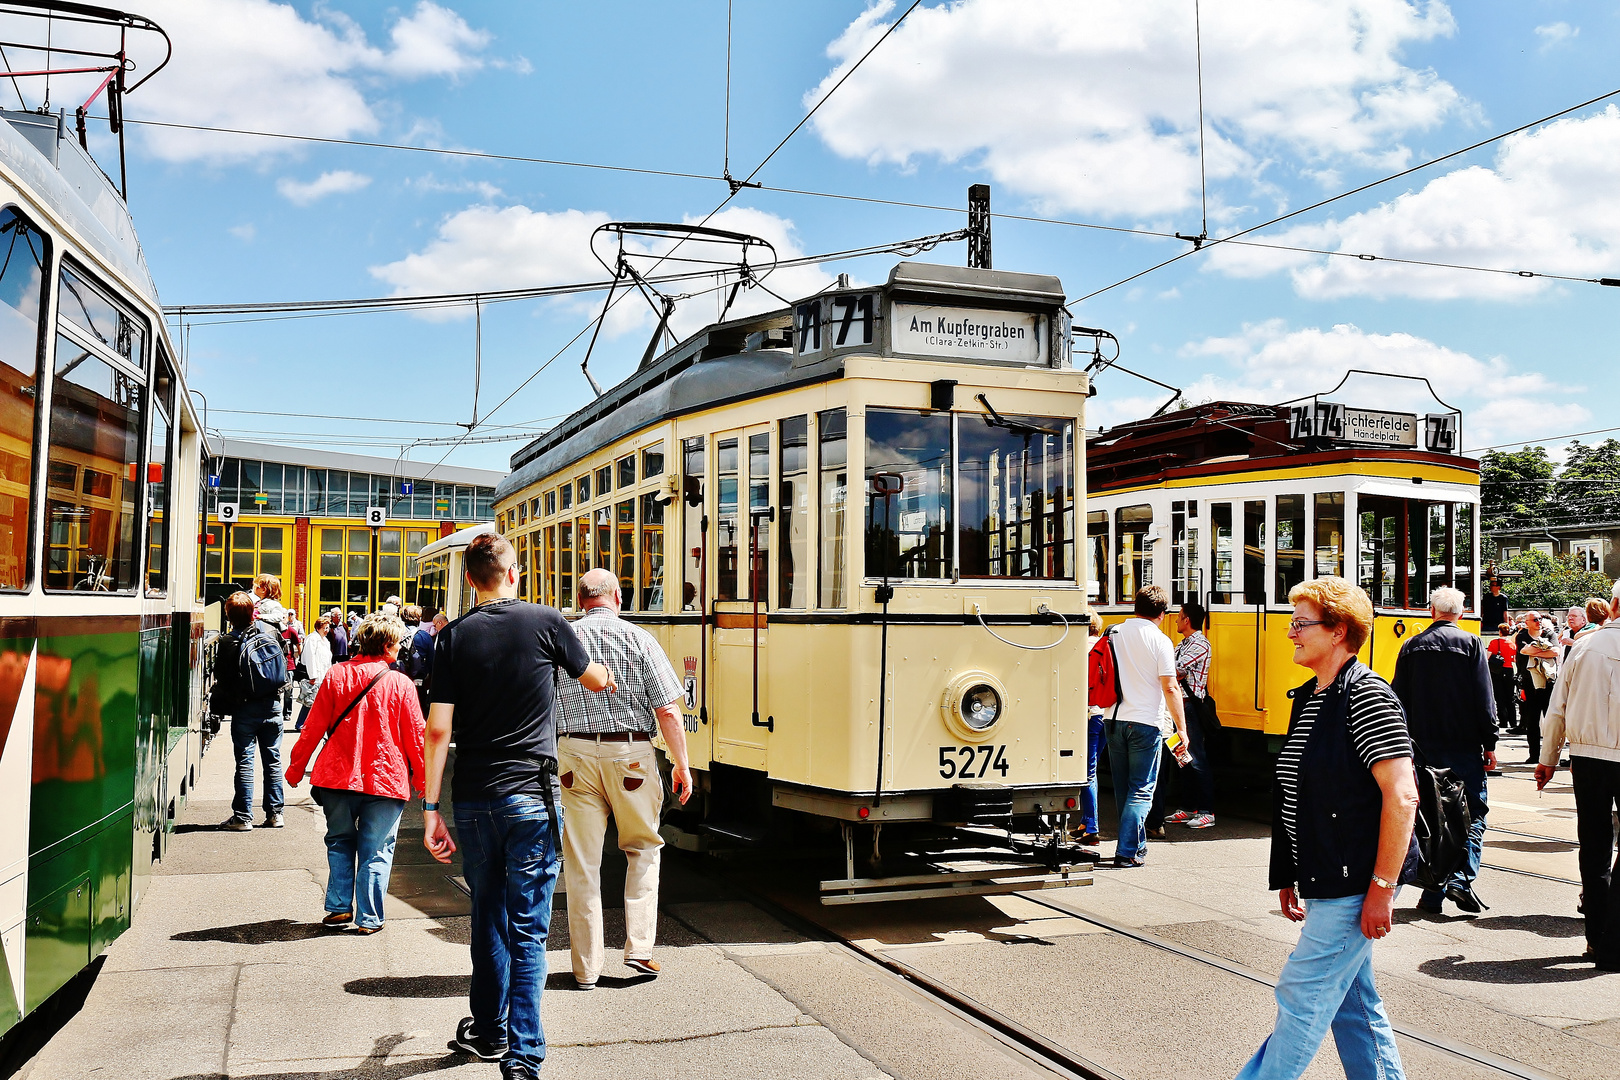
{"type": "Point", "coordinates": [1209, 244]}
{"type": "Point", "coordinates": [1548, 438]}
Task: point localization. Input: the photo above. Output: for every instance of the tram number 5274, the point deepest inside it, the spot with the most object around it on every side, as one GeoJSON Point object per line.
{"type": "Point", "coordinates": [972, 762]}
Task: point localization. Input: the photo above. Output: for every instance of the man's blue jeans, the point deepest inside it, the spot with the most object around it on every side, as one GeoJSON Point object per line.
{"type": "Point", "coordinates": [1088, 794]}
{"type": "Point", "coordinates": [511, 866]}
{"type": "Point", "coordinates": [246, 733]}
{"type": "Point", "coordinates": [1328, 983]}
{"type": "Point", "coordinates": [360, 834]}
{"type": "Point", "coordinates": [1133, 759]}
{"type": "Point", "coordinates": [1469, 765]}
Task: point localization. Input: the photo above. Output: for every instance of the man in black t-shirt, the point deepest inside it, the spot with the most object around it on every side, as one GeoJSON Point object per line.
{"type": "Point", "coordinates": [494, 680]}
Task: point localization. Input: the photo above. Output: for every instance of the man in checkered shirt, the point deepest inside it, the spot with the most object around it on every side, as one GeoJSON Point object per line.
{"type": "Point", "coordinates": [609, 769]}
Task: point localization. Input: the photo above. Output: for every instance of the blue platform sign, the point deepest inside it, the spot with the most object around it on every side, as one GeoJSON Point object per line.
{"type": "Point", "coordinates": [213, 481]}
{"type": "Point", "coordinates": [406, 487]}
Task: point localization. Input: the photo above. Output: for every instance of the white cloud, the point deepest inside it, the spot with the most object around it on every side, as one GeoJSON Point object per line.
{"type": "Point", "coordinates": [482, 188]}
{"type": "Point", "coordinates": [337, 182]}
{"type": "Point", "coordinates": [1547, 204]}
{"type": "Point", "coordinates": [1554, 34]}
{"type": "Point", "coordinates": [1094, 107]}
{"type": "Point", "coordinates": [490, 248]}
{"type": "Point", "coordinates": [1268, 362]}
{"type": "Point", "coordinates": [244, 232]}
{"type": "Point", "coordinates": [259, 65]}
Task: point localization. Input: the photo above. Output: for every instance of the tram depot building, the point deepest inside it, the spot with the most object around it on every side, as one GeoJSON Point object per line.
{"type": "Point", "coordinates": [301, 514]}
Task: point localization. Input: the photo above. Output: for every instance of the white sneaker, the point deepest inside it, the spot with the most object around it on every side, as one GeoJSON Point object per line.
{"type": "Point", "coordinates": [1201, 821]}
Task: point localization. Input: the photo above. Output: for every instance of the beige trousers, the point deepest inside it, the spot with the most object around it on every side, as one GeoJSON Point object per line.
{"type": "Point", "coordinates": [601, 780]}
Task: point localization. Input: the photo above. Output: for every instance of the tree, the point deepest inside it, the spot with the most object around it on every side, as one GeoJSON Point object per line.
{"type": "Point", "coordinates": [1551, 582]}
{"type": "Point", "coordinates": [1588, 486]}
{"type": "Point", "coordinates": [1513, 487]}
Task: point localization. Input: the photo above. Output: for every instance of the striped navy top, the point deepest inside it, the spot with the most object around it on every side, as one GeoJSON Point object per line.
{"type": "Point", "coordinates": [1377, 729]}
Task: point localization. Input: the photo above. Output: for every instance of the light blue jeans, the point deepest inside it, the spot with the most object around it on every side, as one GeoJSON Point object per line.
{"type": "Point", "coordinates": [360, 834]}
{"type": "Point", "coordinates": [1328, 983]}
{"type": "Point", "coordinates": [1133, 759]}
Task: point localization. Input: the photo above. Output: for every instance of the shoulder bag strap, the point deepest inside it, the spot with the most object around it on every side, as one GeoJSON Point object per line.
{"type": "Point", "coordinates": [347, 709]}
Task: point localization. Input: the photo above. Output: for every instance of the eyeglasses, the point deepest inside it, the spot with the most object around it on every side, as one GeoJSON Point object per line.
{"type": "Point", "coordinates": [1296, 625]}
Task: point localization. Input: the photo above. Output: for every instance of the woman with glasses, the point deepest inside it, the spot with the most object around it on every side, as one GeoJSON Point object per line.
{"type": "Point", "coordinates": [1341, 840]}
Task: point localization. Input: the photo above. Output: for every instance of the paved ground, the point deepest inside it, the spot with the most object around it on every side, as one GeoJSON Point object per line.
{"type": "Point", "coordinates": [225, 974]}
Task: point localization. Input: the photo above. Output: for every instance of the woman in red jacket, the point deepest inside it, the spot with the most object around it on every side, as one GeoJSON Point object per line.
{"type": "Point", "coordinates": [370, 765]}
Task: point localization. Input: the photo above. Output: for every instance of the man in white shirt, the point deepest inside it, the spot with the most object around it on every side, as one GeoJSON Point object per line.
{"type": "Point", "coordinates": [1149, 709]}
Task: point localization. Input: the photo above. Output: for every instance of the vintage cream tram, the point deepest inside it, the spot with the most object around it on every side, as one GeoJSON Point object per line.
{"type": "Point", "coordinates": [1232, 504]}
{"type": "Point", "coordinates": [101, 634]}
{"type": "Point", "coordinates": [756, 487]}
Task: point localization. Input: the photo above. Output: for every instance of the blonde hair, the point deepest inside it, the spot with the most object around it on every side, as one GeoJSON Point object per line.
{"type": "Point", "coordinates": [270, 584]}
{"type": "Point", "coordinates": [1342, 604]}
{"type": "Point", "coordinates": [377, 632]}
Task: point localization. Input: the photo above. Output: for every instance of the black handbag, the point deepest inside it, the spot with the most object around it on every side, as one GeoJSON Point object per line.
{"type": "Point", "coordinates": [1442, 826]}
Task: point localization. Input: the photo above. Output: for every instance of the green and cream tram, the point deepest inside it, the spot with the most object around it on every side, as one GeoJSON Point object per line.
{"type": "Point", "coordinates": [755, 487]}
{"type": "Point", "coordinates": [101, 635]}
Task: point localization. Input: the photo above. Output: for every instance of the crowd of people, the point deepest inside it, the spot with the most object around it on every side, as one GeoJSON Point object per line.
{"type": "Point", "coordinates": [554, 721]}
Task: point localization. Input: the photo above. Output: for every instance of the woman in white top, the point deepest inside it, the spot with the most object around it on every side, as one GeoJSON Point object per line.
{"type": "Point", "coordinates": [316, 660]}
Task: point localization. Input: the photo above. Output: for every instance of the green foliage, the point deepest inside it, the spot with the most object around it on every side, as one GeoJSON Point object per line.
{"type": "Point", "coordinates": [1513, 488]}
{"type": "Point", "coordinates": [1588, 486]}
{"type": "Point", "coordinates": [1551, 582]}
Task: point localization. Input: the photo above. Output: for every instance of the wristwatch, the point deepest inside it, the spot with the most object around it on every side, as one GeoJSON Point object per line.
{"type": "Point", "coordinates": [426, 806]}
{"type": "Point", "coordinates": [1378, 881]}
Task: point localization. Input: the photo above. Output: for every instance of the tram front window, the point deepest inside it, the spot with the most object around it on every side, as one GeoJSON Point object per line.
{"type": "Point", "coordinates": [725, 520]}
{"type": "Point", "coordinates": [1017, 497]}
{"type": "Point", "coordinates": [832, 431]}
{"type": "Point", "coordinates": [22, 287]}
{"type": "Point", "coordinates": [1097, 552]}
{"type": "Point", "coordinates": [1184, 576]}
{"type": "Point", "coordinates": [1135, 571]}
{"type": "Point", "coordinates": [1410, 547]}
{"type": "Point", "coordinates": [1329, 532]}
{"type": "Point", "coordinates": [1290, 545]}
{"type": "Point", "coordinates": [692, 532]}
{"type": "Point", "coordinates": [908, 535]}
{"type": "Point", "coordinates": [1222, 561]}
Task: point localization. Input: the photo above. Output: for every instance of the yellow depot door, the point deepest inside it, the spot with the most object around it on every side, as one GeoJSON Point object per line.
{"type": "Point", "coordinates": [740, 703]}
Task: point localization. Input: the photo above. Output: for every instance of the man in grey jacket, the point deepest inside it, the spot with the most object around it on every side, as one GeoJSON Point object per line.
{"type": "Point", "coordinates": [1585, 709]}
{"type": "Point", "coordinates": [1445, 687]}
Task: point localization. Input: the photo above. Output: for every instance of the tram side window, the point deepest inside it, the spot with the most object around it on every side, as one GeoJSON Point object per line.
{"type": "Point", "coordinates": [1097, 552]}
{"type": "Point", "coordinates": [1184, 575]}
{"type": "Point", "coordinates": [1329, 534]}
{"type": "Point", "coordinates": [1135, 569]}
{"type": "Point", "coordinates": [1223, 565]}
{"type": "Point", "coordinates": [652, 552]}
{"type": "Point", "coordinates": [908, 535]}
{"type": "Point", "coordinates": [1254, 551]}
{"type": "Point", "coordinates": [725, 520]}
{"type": "Point", "coordinates": [567, 493]}
{"type": "Point", "coordinates": [604, 538]}
{"type": "Point", "coordinates": [549, 586]}
{"type": "Point", "coordinates": [1016, 492]}
{"type": "Point", "coordinates": [759, 501]}
{"type": "Point", "coordinates": [652, 461]}
{"type": "Point", "coordinates": [1290, 545]}
{"type": "Point", "coordinates": [624, 530]}
{"type": "Point", "coordinates": [692, 561]}
{"type": "Point", "coordinates": [604, 480]}
{"type": "Point", "coordinates": [793, 511]}
{"type": "Point", "coordinates": [22, 297]}
{"type": "Point", "coordinates": [1379, 547]}
{"type": "Point", "coordinates": [1463, 516]}
{"type": "Point", "coordinates": [1440, 540]}
{"type": "Point", "coordinates": [833, 436]}
{"type": "Point", "coordinates": [582, 549]}
{"type": "Point", "coordinates": [523, 567]}
{"type": "Point", "coordinates": [95, 431]}
{"type": "Point", "coordinates": [1417, 554]}
{"type": "Point", "coordinates": [565, 563]}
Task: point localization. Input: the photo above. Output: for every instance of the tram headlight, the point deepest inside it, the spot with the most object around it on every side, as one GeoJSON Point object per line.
{"type": "Point", "coordinates": [974, 706]}
{"type": "Point", "coordinates": [981, 706]}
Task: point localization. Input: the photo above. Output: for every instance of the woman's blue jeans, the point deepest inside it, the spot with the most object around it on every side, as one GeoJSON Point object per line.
{"type": "Point", "coordinates": [360, 833]}
{"type": "Point", "coordinates": [1088, 793]}
{"type": "Point", "coordinates": [1328, 983]}
{"type": "Point", "coordinates": [511, 866]}
{"type": "Point", "coordinates": [248, 733]}
{"type": "Point", "coordinates": [1133, 758]}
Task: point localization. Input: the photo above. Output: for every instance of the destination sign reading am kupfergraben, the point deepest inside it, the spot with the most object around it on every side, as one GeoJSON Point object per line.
{"type": "Point", "coordinates": [966, 333]}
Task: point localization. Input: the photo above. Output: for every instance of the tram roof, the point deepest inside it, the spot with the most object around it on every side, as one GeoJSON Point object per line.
{"type": "Point", "coordinates": [1222, 437]}
{"type": "Point", "coordinates": [743, 358]}
{"type": "Point", "coordinates": [38, 150]}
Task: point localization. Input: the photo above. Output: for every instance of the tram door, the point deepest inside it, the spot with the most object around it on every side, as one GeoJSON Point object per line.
{"type": "Point", "coordinates": [740, 507]}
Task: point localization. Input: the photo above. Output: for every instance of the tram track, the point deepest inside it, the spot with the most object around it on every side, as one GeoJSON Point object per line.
{"type": "Point", "coordinates": [1065, 1061]}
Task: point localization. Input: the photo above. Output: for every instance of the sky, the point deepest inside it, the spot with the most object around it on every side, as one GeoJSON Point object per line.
{"type": "Point", "coordinates": [1086, 114]}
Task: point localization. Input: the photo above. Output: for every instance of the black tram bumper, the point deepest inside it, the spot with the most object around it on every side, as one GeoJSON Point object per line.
{"type": "Point", "coordinates": [960, 804]}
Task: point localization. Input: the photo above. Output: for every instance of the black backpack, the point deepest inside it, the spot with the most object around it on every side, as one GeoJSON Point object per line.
{"type": "Point", "coordinates": [1441, 827]}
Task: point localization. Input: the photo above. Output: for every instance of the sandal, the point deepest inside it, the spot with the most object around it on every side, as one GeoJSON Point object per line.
{"type": "Point", "coordinates": [338, 918]}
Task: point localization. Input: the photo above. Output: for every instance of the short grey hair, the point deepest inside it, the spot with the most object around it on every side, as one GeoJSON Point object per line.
{"type": "Point", "coordinates": [597, 583]}
{"type": "Point", "coordinates": [1446, 600]}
